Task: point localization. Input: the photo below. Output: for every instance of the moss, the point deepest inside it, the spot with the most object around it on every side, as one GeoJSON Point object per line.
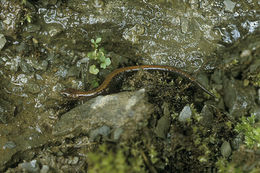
{"type": "Point", "coordinates": [224, 166]}
{"type": "Point", "coordinates": [251, 131]}
{"type": "Point", "coordinates": [245, 158]}
{"type": "Point", "coordinates": [104, 160]}
{"type": "Point", "coordinates": [254, 79]}
{"type": "Point", "coordinates": [242, 161]}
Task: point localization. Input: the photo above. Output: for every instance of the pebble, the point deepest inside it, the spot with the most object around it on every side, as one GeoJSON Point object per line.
{"type": "Point", "coordinates": [2, 41]}
{"type": "Point", "coordinates": [75, 160]}
{"type": "Point", "coordinates": [9, 145]}
{"type": "Point", "coordinates": [117, 133]}
{"type": "Point", "coordinates": [225, 149]}
{"type": "Point", "coordinates": [45, 169]}
{"type": "Point", "coordinates": [31, 166]}
{"type": "Point", "coordinates": [163, 126]}
{"type": "Point", "coordinates": [229, 5]}
{"type": "Point", "coordinates": [185, 114]}
{"type": "Point", "coordinates": [207, 116]}
{"type": "Point", "coordinates": [258, 96]}
{"type": "Point", "coordinates": [33, 88]}
{"type": "Point", "coordinates": [184, 25]}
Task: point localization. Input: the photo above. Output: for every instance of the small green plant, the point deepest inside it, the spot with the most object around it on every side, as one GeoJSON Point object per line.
{"type": "Point", "coordinates": [251, 130]}
{"type": "Point", "coordinates": [121, 160]}
{"type": "Point", "coordinates": [224, 166]}
{"type": "Point", "coordinates": [98, 54]}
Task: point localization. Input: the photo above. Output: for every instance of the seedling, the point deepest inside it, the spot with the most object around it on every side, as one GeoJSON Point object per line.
{"type": "Point", "coordinates": [98, 54]}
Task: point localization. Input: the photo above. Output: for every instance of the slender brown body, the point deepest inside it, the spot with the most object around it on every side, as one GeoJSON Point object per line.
{"type": "Point", "coordinates": [109, 78]}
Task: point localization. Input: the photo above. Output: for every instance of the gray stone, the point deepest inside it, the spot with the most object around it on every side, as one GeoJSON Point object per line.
{"type": "Point", "coordinates": [229, 5]}
{"type": "Point", "coordinates": [225, 149]}
{"type": "Point", "coordinates": [185, 114]}
{"type": "Point", "coordinates": [2, 41]}
{"type": "Point", "coordinates": [163, 126]}
{"type": "Point", "coordinates": [237, 99]}
{"type": "Point", "coordinates": [258, 96]}
{"type": "Point", "coordinates": [207, 116]}
{"type": "Point", "coordinates": [125, 110]}
{"type": "Point", "coordinates": [9, 145]}
{"type": "Point", "coordinates": [31, 166]}
{"type": "Point", "coordinates": [45, 169]}
{"type": "Point", "coordinates": [103, 131]}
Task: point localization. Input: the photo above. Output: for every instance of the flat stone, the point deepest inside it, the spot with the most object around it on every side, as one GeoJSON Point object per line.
{"type": "Point", "coordinates": [122, 110]}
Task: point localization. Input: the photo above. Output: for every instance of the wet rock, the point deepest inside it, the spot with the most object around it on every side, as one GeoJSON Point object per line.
{"type": "Point", "coordinates": [217, 76]}
{"type": "Point", "coordinates": [32, 28]}
{"type": "Point", "coordinates": [133, 33]}
{"type": "Point", "coordinates": [13, 63]}
{"type": "Point", "coordinates": [184, 25]}
{"type": "Point", "coordinates": [75, 160]}
{"type": "Point", "coordinates": [45, 169]}
{"type": "Point", "coordinates": [245, 53]}
{"type": "Point", "coordinates": [116, 134]}
{"type": "Point", "coordinates": [163, 126]}
{"type": "Point", "coordinates": [123, 110]}
{"type": "Point", "coordinates": [2, 41]}
{"type": "Point", "coordinates": [54, 30]}
{"type": "Point", "coordinates": [164, 122]}
{"type": "Point", "coordinates": [31, 166]}
{"type": "Point", "coordinates": [22, 47]}
{"type": "Point", "coordinates": [229, 5]}
{"type": "Point", "coordinates": [207, 116]}
{"type": "Point", "coordinates": [7, 111]}
{"type": "Point", "coordinates": [103, 131]}
{"type": "Point", "coordinates": [42, 65]}
{"type": "Point", "coordinates": [185, 114]}
{"type": "Point", "coordinates": [62, 72]}
{"type": "Point", "coordinates": [237, 141]}
{"type": "Point", "coordinates": [255, 66]}
{"type": "Point", "coordinates": [256, 112]}
{"type": "Point", "coordinates": [225, 149]}
{"type": "Point", "coordinates": [73, 71]}
{"type": "Point", "coordinates": [33, 88]}
{"type": "Point", "coordinates": [258, 96]}
{"type": "Point", "coordinates": [72, 160]}
{"type": "Point", "coordinates": [25, 67]}
{"type": "Point", "coordinates": [9, 145]}
{"type": "Point", "coordinates": [10, 15]}
{"type": "Point", "coordinates": [238, 100]}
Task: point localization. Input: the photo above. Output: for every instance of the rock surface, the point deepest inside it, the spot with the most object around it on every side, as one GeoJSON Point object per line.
{"type": "Point", "coordinates": [123, 110]}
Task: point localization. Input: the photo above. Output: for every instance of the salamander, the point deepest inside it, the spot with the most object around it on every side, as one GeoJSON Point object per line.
{"type": "Point", "coordinates": [101, 89]}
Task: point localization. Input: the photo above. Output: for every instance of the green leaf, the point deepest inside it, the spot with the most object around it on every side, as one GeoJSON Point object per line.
{"type": "Point", "coordinates": [99, 54]}
{"type": "Point", "coordinates": [92, 41]}
{"type": "Point", "coordinates": [28, 18]}
{"type": "Point", "coordinates": [108, 61]}
{"type": "Point", "coordinates": [98, 40]}
{"type": "Point", "coordinates": [102, 58]}
{"type": "Point", "coordinates": [93, 69]}
{"type": "Point", "coordinates": [103, 65]}
{"type": "Point", "coordinates": [102, 50]}
{"type": "Point", "coordinates": [94, 84]}
{"type": "Point", "coordinates": [90, 55]}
